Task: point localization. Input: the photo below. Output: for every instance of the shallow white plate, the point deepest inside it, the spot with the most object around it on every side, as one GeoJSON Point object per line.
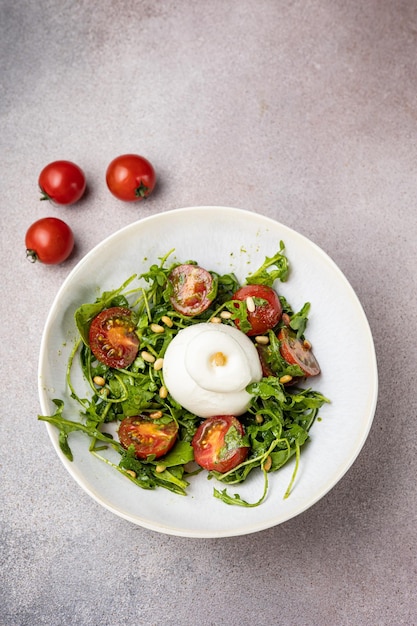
{"type": "Point", "coordinates": [224, 240]}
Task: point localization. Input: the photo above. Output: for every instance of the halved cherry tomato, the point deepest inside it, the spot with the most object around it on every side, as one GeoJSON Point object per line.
{"type": "Point", "coordinates": [49, 240]}
{"type": "Point", "coordinates": [148, 436]}
{"type": "Point", "coordinates": [63, 182]}
{"type": "Point", "coordinates": [297, 352]}
{"type": "Point", "coordinates": [112, 337]}
{"type": "Point", "coordinates": [216, 443]}
{"type": "Point", "coordinates": [268, 371]}
{"type": "Point", "coordinates": [130, 177]}
{"type": "Point", "coordinates": [265, 314]}
{"type": "Point", "coordinates": [193, 289]}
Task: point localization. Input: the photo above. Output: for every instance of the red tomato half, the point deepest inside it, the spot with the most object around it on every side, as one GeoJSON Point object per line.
{"type": "Point", "coordinates": [49, 240]}
{"type": "Point", "coordinates": [148, 436]}
{"type": "Point", "coordinates": [192, 289]}
{"type": "Point", "coordinates": [63, 182]}
{"type": "Point", "coordinates": [297, 352]}
{"type": "Point", "coordinates": [130, 177]}
{"type": "Point", "coordinates": [112, 337]}
{"type": "Point", "coordinates": [216, 443]}
{"type": "Point", "coordinates": [265, 314]}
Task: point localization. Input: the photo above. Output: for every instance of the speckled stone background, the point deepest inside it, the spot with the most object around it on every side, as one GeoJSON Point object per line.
{"type": "Point", "coordinates": [302, 110]}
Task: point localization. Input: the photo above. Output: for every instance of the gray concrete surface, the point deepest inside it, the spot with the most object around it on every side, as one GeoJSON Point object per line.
{"type": "Point", "coordinates": [304, 111]}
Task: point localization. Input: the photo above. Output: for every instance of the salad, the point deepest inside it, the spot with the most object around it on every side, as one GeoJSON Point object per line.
{"type": "Point", "coordinates": [191, 371]}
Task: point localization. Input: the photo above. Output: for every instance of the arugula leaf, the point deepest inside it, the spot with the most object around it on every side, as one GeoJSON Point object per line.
{"type": "Point", "coordinates": [267, 276]}
{"type": "Point", "coordinates": [180, 454]}
{"type": "Point", "coordinates": [66, 427]}
{"type": "Point", "coordinates": [298, 322]}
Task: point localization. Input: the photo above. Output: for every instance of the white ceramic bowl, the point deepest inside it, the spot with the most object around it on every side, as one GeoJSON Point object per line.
{"type": "Point", "coordinates": [224, 240]}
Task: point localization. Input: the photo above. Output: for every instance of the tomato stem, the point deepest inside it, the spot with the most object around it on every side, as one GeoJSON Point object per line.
{"type": "Point", "coordinates": [44, 195]}
{"type": "Point", "coordinates": [31, 256]}
{"type": "Point", "coordinates": [141, 191]}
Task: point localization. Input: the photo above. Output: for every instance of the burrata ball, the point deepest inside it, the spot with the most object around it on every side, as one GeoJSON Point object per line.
{"type": "Point", "coordinates": [207, 368]}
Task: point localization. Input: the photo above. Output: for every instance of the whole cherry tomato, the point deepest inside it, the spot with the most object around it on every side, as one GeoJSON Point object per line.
{"type": "Point", "coordinates": [49, 240]}
{"type": "Point", "coordinates": [62, 182]}
{"type": "Point", "coordinates": [130, 177]}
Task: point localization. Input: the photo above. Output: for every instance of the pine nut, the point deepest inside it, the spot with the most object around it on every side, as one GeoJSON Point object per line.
{"type": "Point", "coordinates": [263, 340]}
{"type": "Point", "coordinates": [225, 315]}
{"type": "Point", "coordinates": [286, 319]}
{"type": "Point", "coordinates": [131, 473]}
{"type": "Point", "coordinates": [285, 379]}
{"type": "Point", "coordinates": [268, 464]}
{"type": "Point", "coordinates": [148, 357]}
{"type": "Point", "coordinates": [160, 469]}
{"type": "Point", "coordinates": [163, 392]}
{"type": "Point", "coordinates": [259, 418]}
{"type": "Point", "coordinates": [157, 328]}
{"type": "Point", "coordinates": [167, 321]}
{"type": "Point", "coordinates": [158, 365]}
{"type": "Point", "coordinates": [219, 359]}
{"type": "Point", "coordinates": [99, 380]}
{"type": "Point", "coordinates": [250, 304]}
{"type": "Point", "coordinates": [216, 320]}
{"type": "Point", "coordinates": [156, 415]}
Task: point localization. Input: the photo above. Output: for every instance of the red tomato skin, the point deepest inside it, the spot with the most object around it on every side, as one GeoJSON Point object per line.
{"type": "Point", "coordinates": [112, 338]}
{"type": "Point", "coordinates": [265, 316]}
{"type": "Point", "coordinates": [296, 352]}
{"type": "Point", "coordinates": [130, 177]}
{"type": "Point", "coordinates": [208, 442]}
{"type": "Point", "coordinates": [147, 435]}
{"type": "Point", "coordinates": [267, 370]}
{"type": "Point", "coordinates": [49, 240]}
{"type": "Point", "coordinates": [192, 289]}
{"type": "Point", "coordinates": [62, 182]}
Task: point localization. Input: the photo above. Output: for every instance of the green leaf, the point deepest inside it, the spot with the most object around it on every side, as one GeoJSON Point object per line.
{"type": "Point", "coordinates": [180, 454]}
{"type": "Point", "coordinates": [265, 275]}
{"type": "Point", "coordinates": [298, 322]}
